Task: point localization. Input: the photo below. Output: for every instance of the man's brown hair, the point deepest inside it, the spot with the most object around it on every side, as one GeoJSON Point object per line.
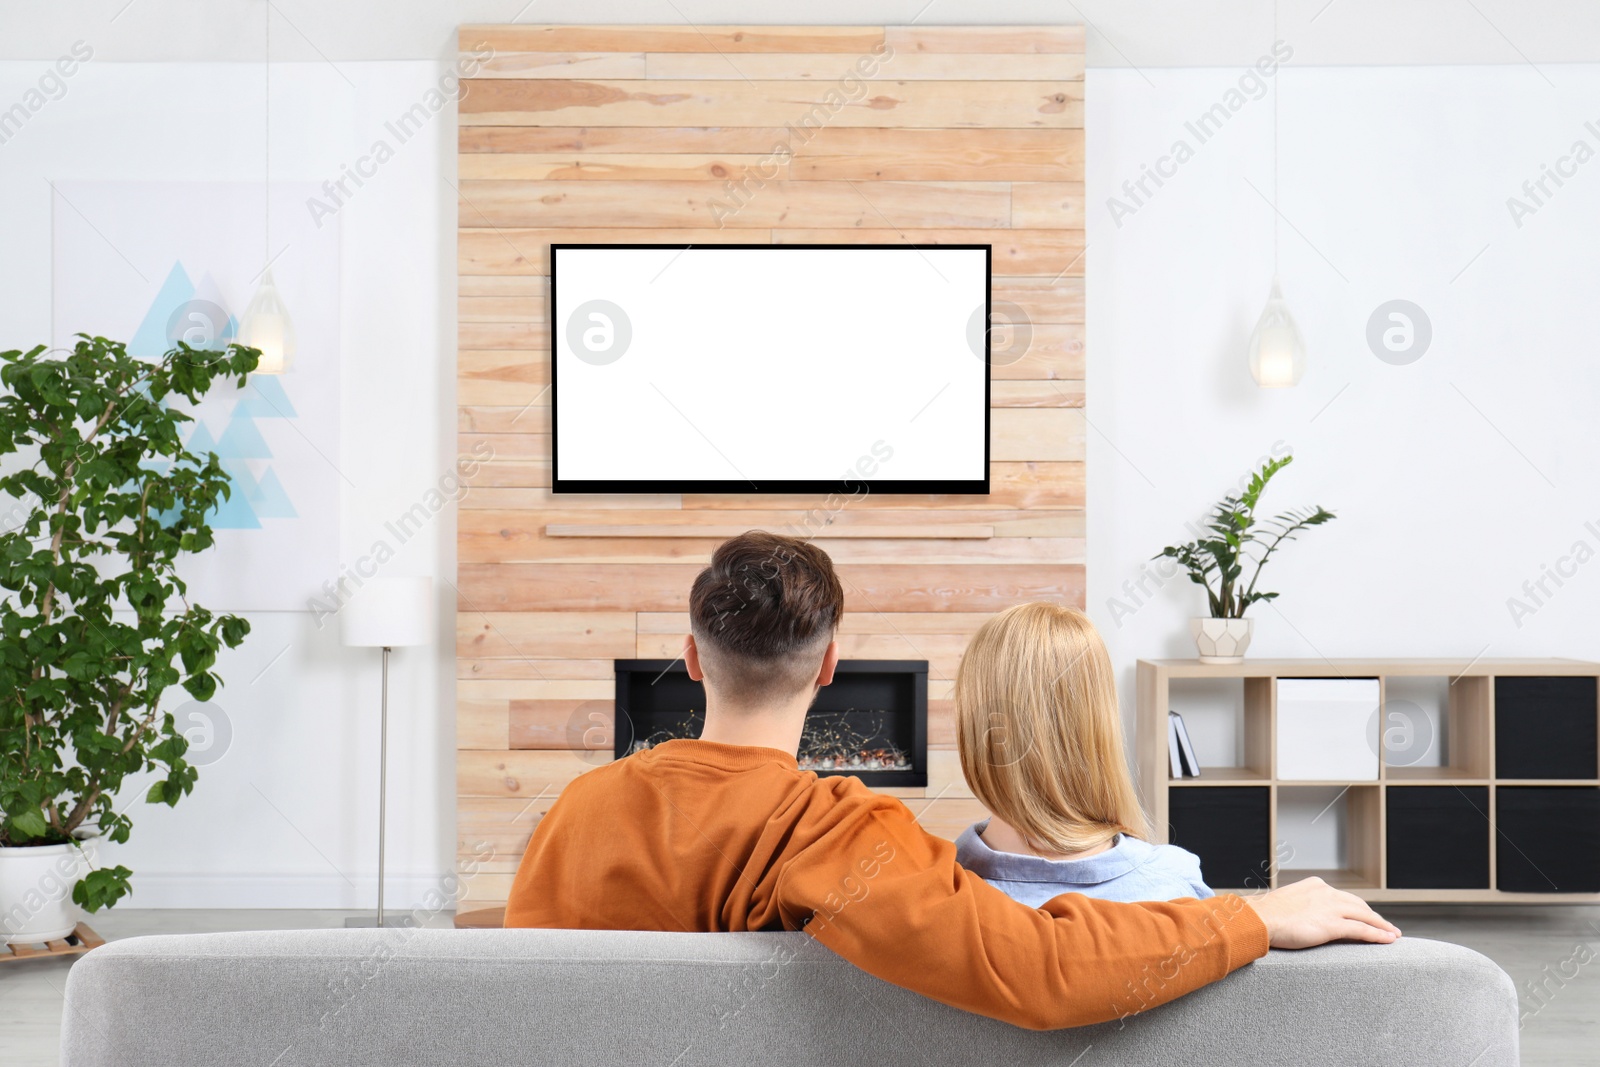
{"type": "Point", "coordinates": [762, 615]}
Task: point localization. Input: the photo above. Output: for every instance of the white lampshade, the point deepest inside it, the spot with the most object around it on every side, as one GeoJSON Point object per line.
{"type": "Point", "coordinates": [1277, 351]}
{"type": "Point", "coordinates": [389, 613]}
{"type": "Point", "coordinates": [266, 327]}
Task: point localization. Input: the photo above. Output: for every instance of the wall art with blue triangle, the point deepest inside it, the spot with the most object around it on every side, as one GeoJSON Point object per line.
{"type": "Point", "coordinates": [199, 316]}
{"type": "Point", "coordinates": [170, 261]}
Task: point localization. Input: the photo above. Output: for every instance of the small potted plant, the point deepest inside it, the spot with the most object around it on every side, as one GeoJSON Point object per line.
{"type": "Point", "coordinates": [1217, 563]}
{"type": "Point", "coordinates": [94, 622]}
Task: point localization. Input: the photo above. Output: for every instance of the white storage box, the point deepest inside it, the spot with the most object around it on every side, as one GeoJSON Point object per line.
{"type": "Point", "coordinates": [1328, 729]}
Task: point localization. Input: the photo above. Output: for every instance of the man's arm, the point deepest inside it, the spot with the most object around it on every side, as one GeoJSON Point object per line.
{"type": "Point", "coordinates": [878, 890]}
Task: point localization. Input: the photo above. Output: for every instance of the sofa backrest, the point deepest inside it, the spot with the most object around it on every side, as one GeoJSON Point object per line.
{"type": "Point", "coordinates": [395, 997]}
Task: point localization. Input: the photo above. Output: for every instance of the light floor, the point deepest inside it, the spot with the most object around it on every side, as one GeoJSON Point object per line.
{"type": "Point", "coordinates": [1542, 948]}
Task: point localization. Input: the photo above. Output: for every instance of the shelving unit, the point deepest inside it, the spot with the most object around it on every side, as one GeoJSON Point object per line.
{"type": "Point", "coordinates": [1459, 832]}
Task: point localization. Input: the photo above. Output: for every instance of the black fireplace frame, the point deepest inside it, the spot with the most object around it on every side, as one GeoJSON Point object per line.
{"type": "Point", "coordinates": [914, 670]}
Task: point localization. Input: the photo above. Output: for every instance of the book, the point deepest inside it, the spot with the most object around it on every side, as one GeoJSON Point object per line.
{"type": "Point", "coordinates": [1175, 754]}
{"type": "Point", "coordinates": [1182, 750]}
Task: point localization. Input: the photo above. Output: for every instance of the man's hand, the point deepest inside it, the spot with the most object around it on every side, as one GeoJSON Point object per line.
{"type": "Point", "coordinates": [1311, 912]}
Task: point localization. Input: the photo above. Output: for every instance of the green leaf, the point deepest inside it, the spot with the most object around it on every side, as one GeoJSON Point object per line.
{"type": "Point", "coordinates": [29, 825]}
{"type": "Point", "coordinates": [102, 888]}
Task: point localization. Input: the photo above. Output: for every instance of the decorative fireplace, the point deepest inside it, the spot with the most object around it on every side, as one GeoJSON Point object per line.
{"type": "Point", "coordinates": [872, 722]}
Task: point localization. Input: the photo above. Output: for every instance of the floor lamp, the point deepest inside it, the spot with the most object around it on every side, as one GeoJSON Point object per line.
{"type": "Point", "coordinates": [387, 613]}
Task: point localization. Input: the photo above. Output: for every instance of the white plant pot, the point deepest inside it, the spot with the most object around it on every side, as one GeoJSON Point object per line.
{"type": "Point", "coordinates": [1222, 640]}
{"type": "Point", "coordinates": [36, 892]}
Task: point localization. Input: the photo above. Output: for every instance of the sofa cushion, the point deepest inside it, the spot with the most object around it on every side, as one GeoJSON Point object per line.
{"type": "Point", "coordinates": [570, 997]}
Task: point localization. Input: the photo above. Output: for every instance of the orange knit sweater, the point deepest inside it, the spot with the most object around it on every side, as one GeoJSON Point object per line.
{"type": "Point", "coordinates": [701, 836]}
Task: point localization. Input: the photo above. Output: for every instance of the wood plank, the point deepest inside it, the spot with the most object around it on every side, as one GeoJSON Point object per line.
{"type": "Point", "coordinates": [484, 890]}
{"type": "Point", "coordinates": [496, 543]}
{"type": "Point", "coordinates": [501, 309]}
{"type": "Point", "coordinates": [526, 689]}
{"type": "Point", "coordinates": [549, 670]}
{"type": "Point", "coordinates": [1031, 394]}
{"type": "Point", "coordinates": [502, 287]}
{"type": "Point", "coordinates": [510, 205]}
{"type": "Point", "coordinates": [492, 336]}
{"type": "Point", "coordinates": [541, 499]}
{"type": "Point", "coordinates": [681, 37]}
{"type": "Point", "coordinates": [942, 651]}
{"type": "Point", "coordinates": [518, 474]}
{"type": "Point", "coordinates": [1052, 300]}
{"type": "Point", "coordinates": [544, 635]}
{"type": "Point", "coordinates": [792, 522]}
{"type": "Point", "coordinates": [662, 166]}
{"type": "Point", "coordinates": [522, 365]}
{"type": "Point", "coordinates": [488, 391]}
{"type": "Point", "coordinates": [1016, 252]}
{"type": "Point", "coordinates": [665, 587]}
{"type": "Point", "coordinates": [1032, 484]}
{"type": "Point", "coordinates": [844, 69]}
{"type": "Point", "coordinates": [944, 775]}
{"type": "Point", "coordinates": [526, 251]}
{"type": "Point", "coordinates": [591, 141]}
{"type": "Point", "coordinates": [941, 155]}
{"type": "Point", "coordinates": [483, 724]}
{"type": "Point", "coordinates": [504, 446]}
{"type": "Point", "coordinates": [981, 39]}
{"type": "Point", "coordinates": [1021, 434]}
{"type": "Point", "coordinates": [503, 824]}
{"type": "Point", "coordinates": [583, 725]}
{"type": "Point", "coordinates": [923, 154]}
{"type": "Point", "coordinates": [1048, 204]}
{"type": "Point", "coordinates": [857, 622]}
{"type": "Point", "coordinates": [947, 532]}
{"type": "Point", "coordinates": [522, 773]}
{"type": "Point", "coordinates": [942, 723]}
{"type": "Point", "coordinates": [1053, 351]}
{"type": "Point", "coordinates": [557, 65]}
{"type": "Point", "coordinates": [802, 105]}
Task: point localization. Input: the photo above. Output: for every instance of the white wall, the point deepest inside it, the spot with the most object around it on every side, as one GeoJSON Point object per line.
{"type": "Point", "coordinates": [1456, 478]}
{"type": "Point", "coordinates": [1398, 177]}
{"type": "Point", "coordinates": [287, 817]}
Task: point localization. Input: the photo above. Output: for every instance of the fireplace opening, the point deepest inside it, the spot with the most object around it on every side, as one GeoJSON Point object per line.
{"type": "Point", "coordinates": [872, 722]}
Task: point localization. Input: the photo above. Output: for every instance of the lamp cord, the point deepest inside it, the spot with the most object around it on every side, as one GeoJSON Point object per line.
{"type": "Point", "coordinates": [1276, 81]}
{"type": "Point", "coordinates": [266, 177]}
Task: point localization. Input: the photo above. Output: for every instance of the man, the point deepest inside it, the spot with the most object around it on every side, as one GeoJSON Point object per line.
{"type": "Point", "coordinates": [726, 833]}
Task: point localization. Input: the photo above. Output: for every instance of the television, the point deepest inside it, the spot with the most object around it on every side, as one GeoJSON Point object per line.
{"type": "Point", "coordinates": [805, 368]}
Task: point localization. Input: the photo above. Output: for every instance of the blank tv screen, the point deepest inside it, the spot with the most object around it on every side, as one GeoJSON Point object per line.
{"type": "Point", "coordinates": [769, 368]}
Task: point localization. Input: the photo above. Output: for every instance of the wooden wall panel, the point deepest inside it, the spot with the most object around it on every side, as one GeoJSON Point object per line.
{"type": "Point", "coordinates": [616, 134]}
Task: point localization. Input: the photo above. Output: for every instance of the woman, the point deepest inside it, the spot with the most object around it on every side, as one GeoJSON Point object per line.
{"type": "Point", "coordinates": [1041, 746]}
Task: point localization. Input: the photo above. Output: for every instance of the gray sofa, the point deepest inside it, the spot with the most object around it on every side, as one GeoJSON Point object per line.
{"type": "Point", "coordinates": [393, 998]}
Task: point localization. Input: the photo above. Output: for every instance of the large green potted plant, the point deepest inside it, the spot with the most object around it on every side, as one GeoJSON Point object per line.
{"type": "Point", "coordinates": [1217, 563]}
{"type": "Point", "coordinates": [94, 622]}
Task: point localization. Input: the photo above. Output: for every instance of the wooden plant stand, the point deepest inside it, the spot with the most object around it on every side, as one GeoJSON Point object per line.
{"type": "Point", "coordinates": [81, 940]}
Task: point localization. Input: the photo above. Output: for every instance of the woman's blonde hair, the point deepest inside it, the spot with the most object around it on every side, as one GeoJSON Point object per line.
{"type": "Point", "coordinates": [1039, 730]}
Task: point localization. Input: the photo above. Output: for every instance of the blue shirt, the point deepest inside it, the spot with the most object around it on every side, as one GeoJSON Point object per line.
{"type": "Point", "coordinates": [1130, 870]}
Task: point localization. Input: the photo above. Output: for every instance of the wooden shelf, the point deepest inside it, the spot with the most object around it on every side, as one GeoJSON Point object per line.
{"type": "Point", "coordinates": [1592, 782]}
{"type": "Point", "coordinates": [1371, 668]}
{"type": "Point", "coordinates": [1340, 879]}
{"type": "Point", "coordinates": [1467, 723]}
{"type": "Point", "coordinates": [1225, 776]}
{"type": "Point", "coordinates": [1434, 776]}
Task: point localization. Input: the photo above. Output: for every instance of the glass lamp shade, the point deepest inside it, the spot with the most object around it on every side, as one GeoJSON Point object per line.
{"type": "Point", "coordinates": [266, 326]}
{"type": "Point", "coordinates": [1277, 351]}
{"type": "Point", "coordinates": [389, 613]}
